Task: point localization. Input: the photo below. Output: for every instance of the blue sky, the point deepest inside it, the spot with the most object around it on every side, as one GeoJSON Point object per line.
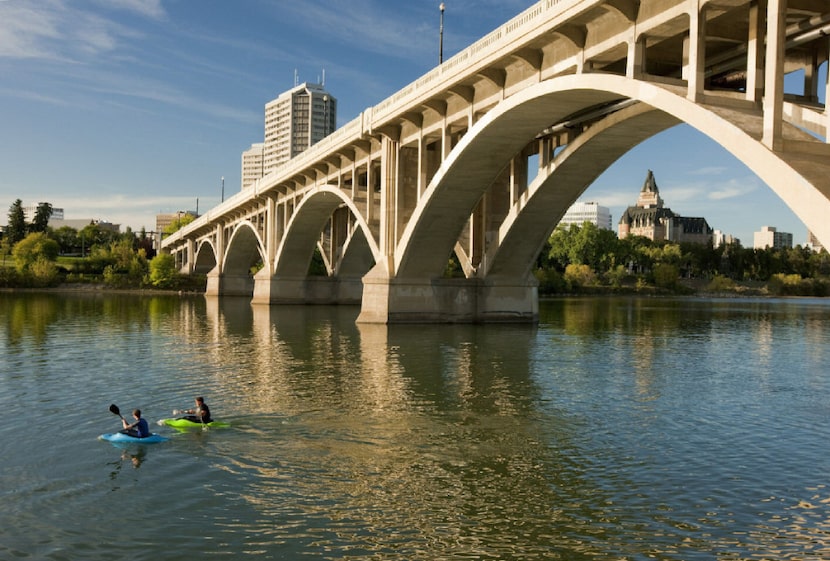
{"type": "Point", "coordinates": [120, 109]}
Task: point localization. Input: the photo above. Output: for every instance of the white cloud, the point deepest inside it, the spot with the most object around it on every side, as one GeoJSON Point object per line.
{"type": "Point", "coordinates": [147, 8]}
{"type": "Point", "coordinates": [711, 170]}
{"type": "Point", "coordinates": [27, 30]}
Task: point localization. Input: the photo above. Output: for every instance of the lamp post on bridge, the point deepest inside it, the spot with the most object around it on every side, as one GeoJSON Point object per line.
{"type": "Point", "coordinates": [441, 36]}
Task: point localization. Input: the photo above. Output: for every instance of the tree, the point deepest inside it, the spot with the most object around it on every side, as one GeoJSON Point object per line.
{"type": "Point", "coordinates": [42, 216]}
{"type": "Point", "coordinates": [16, 228]}
{"type": "Point", "coordinates": [67, 238]}
{"type": "Point", "coordinates": [33, 248]}
{"type": "Point", "coordinates": [163, 272]}
{"type": "Point", "coordinates": [93, 236]}
{"type": "Point", "coordinates": [180, 222]}
{"type": "Point", "coordinates": [145, 243]}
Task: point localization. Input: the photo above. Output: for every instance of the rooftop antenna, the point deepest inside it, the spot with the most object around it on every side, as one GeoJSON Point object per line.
{"type": "Point", "coordinates": [323, 83]}
{"type": "Point", "coordinates": [296, 78]}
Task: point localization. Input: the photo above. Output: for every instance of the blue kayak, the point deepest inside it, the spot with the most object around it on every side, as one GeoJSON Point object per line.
{"type": "Point", "coordinates": [121, 437]}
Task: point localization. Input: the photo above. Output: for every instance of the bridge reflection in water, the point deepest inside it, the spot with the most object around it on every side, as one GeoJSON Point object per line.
{"type": "Point", "coordinates": [616, 428]}
{"type": "Point", "coordinates": [629, 428]}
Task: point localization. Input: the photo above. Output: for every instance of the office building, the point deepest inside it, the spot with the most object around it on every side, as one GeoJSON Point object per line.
{"type": "Point", "coordinates": [596, 214]}
{"type": "Point", "coordinates": [770, 237]}
{"type": "Point", "coordinates": [29, 213]}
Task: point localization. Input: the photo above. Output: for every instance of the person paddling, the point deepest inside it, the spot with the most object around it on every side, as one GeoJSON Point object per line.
{"type": "Point", "coordinates": [138, 429]}
{"type": "Point", "coordinates": [201, 414]}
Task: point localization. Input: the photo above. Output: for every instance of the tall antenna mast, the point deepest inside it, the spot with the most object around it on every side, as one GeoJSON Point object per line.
{"type": "Point", "coordinates": [296, 78]}
{"type": "Point", "coordinates": [324, 78]}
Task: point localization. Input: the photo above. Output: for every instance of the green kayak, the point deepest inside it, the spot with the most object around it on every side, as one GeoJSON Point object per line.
{"type": "Point", "coordinates": [188, 424]}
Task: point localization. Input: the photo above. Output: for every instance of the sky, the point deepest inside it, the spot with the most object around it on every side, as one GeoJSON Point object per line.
{"type": "Point", "coordinates": [118, 110]}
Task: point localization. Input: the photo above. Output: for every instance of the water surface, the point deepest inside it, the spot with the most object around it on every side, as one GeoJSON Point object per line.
{"type": "Point", "coordinates": [618, 428]}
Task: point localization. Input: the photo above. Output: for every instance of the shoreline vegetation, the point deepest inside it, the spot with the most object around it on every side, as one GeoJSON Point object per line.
{"type": "Point", "coordinates": [576, 260]}
{"type": "Point", "coordinates": [685, 288]}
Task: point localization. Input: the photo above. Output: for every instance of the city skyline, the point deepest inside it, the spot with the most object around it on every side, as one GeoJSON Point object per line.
{"type": "Point", "coordinates": [123, 109]}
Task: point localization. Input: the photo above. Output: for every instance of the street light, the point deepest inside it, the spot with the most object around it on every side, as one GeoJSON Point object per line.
{"type": "Point", "coordinates": [441, 36]}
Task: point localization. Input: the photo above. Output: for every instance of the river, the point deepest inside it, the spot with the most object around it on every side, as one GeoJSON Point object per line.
{"type": "Point", "coordinates": [617, 428]}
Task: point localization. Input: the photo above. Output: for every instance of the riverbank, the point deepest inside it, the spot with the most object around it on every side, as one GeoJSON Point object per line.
{"type": "Point", "coordinates": [93, 288]}
{"type": "Point", "coordinates": [686, 287]}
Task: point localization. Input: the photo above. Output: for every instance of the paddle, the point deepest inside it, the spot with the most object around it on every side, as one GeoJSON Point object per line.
{"type": "Point", "coordinates": [115, 411]}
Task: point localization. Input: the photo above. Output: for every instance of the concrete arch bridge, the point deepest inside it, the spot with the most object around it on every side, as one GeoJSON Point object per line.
{"type": "Point", "coordinates": [442, 166]}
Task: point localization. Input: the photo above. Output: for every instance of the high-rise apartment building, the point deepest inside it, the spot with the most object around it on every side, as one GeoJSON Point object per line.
{"type": "Point", "coordinates": [253, 164]}
{"type": "Point", "coordinates": [596, 214]}
{"type": "Point", "coordinates": [296, 120]}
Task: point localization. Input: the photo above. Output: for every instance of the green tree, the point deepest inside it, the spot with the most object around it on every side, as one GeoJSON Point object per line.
{"type": "Point", "coordinates": [579, 275]}
{"type": "Point", "coordinates": [42, 215]}
{"type": "Point", "coordinates": [163, 272]}
{"type": "Point", "coordinates": [666, 275]}
{"type": "Point", "coordinates": [180, 222]}
{"type": "Point", "coordinates": [67, 238]}
{"type": "Point", "coordinates": [34, 247]}
{"type": "Point", "coordinates": [94, 237]}
{"type": "Point", "coordinates": [16, 225]}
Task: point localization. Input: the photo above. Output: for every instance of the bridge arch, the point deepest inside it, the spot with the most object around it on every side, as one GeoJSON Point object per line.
{"type": "Point", "coordinates": [531, 220]}
{"type": "Point", "coordinates": [303, 231]}
{"type": "Point", "coordinates": [205, 260]}
{"type": "Point", "coordinates": [501, 133]}
{"type": "Point", "coordinates": [352, 255]}
{"type": "Point", "coordinates": [245, 249]}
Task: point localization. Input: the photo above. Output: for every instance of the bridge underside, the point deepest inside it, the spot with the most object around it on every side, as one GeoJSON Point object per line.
{"type": "Point", "coordinates": [441, 171]}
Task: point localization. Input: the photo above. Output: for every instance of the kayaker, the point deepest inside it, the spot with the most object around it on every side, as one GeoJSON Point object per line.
{"type": "Point", "coordinates": [201, 414]}
{"type": "Point", "coordinates": [138, 429]}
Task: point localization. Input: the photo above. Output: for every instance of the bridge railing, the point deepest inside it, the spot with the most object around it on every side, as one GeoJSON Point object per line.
{"type": "Point", "coordinates": [441, 77]}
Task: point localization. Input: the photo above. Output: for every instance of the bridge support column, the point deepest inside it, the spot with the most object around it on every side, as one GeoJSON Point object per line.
{"type": "Point", "coordinates": [306, 290]}
{"type": "Point", "coordinates": [390, 301]}
{"type": "Point", "coordinates": [219, 284]}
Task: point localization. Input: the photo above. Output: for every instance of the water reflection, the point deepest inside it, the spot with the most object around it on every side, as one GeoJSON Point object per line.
{"type": "Point", "coordinates": [428, 433]}
{"type": "Point", "coordinates": [617, 428]}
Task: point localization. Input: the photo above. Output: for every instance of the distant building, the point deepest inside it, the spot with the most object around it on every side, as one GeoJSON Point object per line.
{"type": "Point", "coordinates": [719, 239]}
{"type": "Point", "coordinates": [297, 119]}
{"type": "Point", "coordinates": [29, 213]}
{"type": "Point", "coordinates": [649, 218]}
{"type": "Point", "coordinates": [253, 164]}
{"type": "Point", "coordinates": [81, 223]}
{"type": "Point", "coordinates": [770, 237]}
{"type": "Point", "coordinates": [596, 214]}
{"type": "Point", "coordinates": [166, 219]}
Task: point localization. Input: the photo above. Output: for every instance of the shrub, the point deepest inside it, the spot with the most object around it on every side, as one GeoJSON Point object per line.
{"type": "Point", "coordinates": [550, 281]}
{"type": "Point", "coordinates": [721, 284]}
{"type": "Point", "coordinates": [579, 275]}
{"type": "Point", "coordinates": [43, 273]}
{"type": "Point", "coordinates": [666, 275]}
{"type": "Point", "coordinates": [163, 272]}
{"type": "Point", "coordinates": [33, 248]}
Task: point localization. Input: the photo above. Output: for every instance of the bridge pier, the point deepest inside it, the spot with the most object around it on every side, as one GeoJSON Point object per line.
{"type": "Point", "coordinates": [223, 284]}
{"type": "Point", "coordinates": [306, 290]}
{"type": "Point", "coordinates": [387, 300]}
